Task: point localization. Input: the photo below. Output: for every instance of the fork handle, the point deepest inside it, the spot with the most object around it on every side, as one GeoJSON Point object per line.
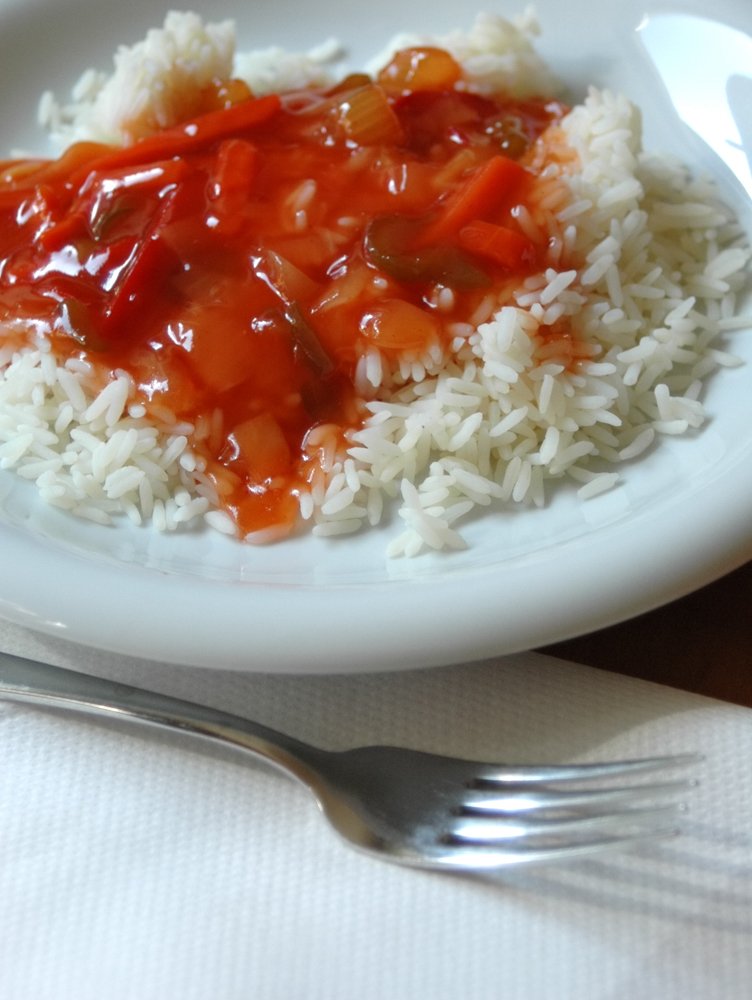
{"type": "Point", "coordinates": [43, 684]}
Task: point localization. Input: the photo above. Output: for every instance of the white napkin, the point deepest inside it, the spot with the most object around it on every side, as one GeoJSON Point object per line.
{"type": "Point", "coordinates": [138, 865]}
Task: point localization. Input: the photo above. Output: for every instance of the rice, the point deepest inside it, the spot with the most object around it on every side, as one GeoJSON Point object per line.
{"type": "Point", "coordinates": [75, 438]}
{"type": "Point", "coordinates": [153, 84]}
{"type": "Point", "coordinates": [497, 416]}
{"type": "Point", "coordinates": [158, 82]}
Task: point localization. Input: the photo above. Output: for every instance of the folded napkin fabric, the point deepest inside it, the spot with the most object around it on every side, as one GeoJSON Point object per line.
{"type": "Point", "coordinates": [142, 865]}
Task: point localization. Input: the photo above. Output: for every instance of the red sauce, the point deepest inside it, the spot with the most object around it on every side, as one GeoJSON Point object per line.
{"type": "Point", "coordinates": [240, 263]}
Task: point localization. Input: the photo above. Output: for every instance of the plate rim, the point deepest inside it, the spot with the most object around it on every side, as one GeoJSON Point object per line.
{"type": "Point", "coordinates": [440, 640]}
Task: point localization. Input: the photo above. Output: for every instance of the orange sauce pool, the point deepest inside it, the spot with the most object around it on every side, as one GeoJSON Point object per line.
{"type": "Point", "coordinates": [237, 266]}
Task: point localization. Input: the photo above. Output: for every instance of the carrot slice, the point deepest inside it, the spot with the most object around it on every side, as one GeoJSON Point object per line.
{"type": "Point", "coordinates": [504, 246]}
{"type": "Point", "coordinates": [486, 189]}
{"type": "Point", "coordinates": [396, 325]}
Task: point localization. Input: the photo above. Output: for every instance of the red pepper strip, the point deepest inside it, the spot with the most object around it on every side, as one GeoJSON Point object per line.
{"type": "Point", "coordinates": [187, 137]}
{"type": "Point", "coordinates": [504, 246]}
{"type": "Point", "coordinates": [152, 262]}
{"type": "Point", "coordinates": [74, 225]}
{"type": "Point", "coordinates": [154, 173]}
{"type": "Point", "coordinates": [52, 172]}
{"type": "Point", "coordinates": [68, 230]}
{"type": "Point", "coordinates": [486, 189]}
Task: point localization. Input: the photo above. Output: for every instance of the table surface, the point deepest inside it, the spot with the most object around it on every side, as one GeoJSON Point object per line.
{"type": "Point", "coordinates": [701, 643]}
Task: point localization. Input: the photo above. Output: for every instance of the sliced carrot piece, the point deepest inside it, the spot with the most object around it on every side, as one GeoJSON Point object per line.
{"type": "Point", "coordinates": [488, 187]}
{"type": "Point", "coordinates": [396, 325]}
{"type": "Point", "coordinates": [507, 247]}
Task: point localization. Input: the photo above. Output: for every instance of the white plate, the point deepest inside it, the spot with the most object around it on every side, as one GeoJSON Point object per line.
{"type": "Point", "coordinates": [682, 517]}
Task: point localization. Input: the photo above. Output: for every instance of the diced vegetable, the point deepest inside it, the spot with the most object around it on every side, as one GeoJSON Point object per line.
{"type": "Point", "coordinates": [495, 182]}
{"type": "Point", "coordinates": [389, 243]}
{"type": "Point", "coordinates": [350, 82]}
{"type": "Point", "coordinates": [286, 280]}
{"type": "Point", "coordinates": [507, 247]}
{"type": "Point", "coordinates": [190, 136]}
{"type": "Point", "coordinates": [260, 445]}
{"type": "Point", "coordinates": [306, 343]}
{"type": "Point", "coordinates": [397, 325]}
{"type": "Point", "coordinates": [368, 119]}
{"type": "Point", "coordinates": [420, 68]}
{"type": "Point", "coordinates": [225, 349]}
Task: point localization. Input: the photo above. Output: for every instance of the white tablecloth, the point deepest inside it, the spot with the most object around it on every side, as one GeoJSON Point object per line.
{"type": "Point", "coordinates": [138, 865]}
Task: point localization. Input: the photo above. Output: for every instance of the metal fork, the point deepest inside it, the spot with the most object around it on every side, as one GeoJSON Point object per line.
{"type": "Point", "coordinates": [404, 805]}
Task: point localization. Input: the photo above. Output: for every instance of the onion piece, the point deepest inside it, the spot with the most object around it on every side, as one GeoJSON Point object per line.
{"type": "Point", "coordinates": [367, 117]}
{"type": "Point", "coordinates": [420, 68]}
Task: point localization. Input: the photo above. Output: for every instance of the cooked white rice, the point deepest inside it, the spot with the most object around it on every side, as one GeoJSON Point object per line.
{"type": "Point", "coordinates": [493, 420]}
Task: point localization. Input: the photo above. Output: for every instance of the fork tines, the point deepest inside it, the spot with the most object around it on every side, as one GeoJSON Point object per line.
{"type": "Point", "coordinates": [519, 814]}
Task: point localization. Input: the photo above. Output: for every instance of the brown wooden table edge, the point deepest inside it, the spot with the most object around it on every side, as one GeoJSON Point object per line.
{"type": "Point", "coordinates": [700, 643]}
